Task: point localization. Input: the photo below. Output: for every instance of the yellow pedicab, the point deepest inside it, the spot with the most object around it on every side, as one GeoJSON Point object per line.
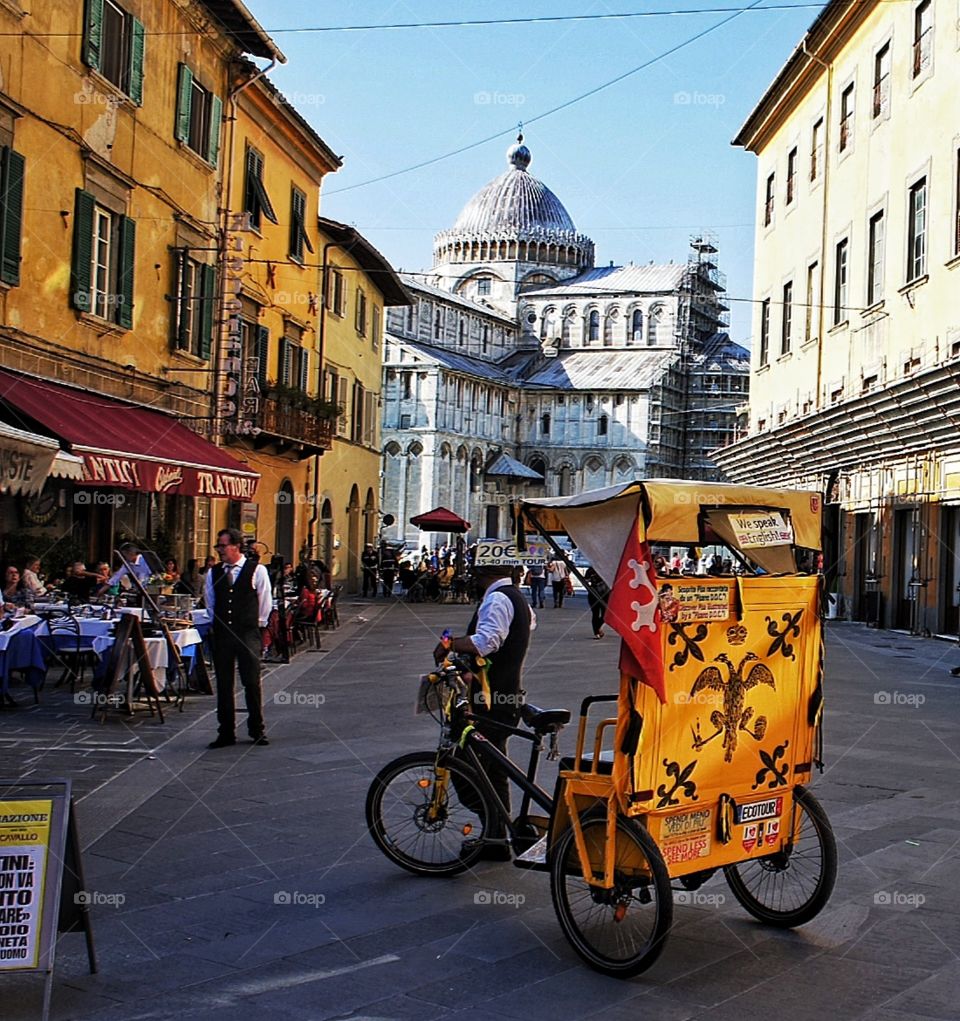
{"type": "Point", "coordinates": [704, 765]}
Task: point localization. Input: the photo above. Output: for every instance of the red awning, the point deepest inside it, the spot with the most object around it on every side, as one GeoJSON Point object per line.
{"type": "Point", "coordinates": [127, 446]}
{"type": "Point", "coordinates": [440, 520]}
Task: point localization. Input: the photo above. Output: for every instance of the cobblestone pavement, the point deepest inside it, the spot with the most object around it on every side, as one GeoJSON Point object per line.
{"type": "Point", "coordinates": [243, 879]}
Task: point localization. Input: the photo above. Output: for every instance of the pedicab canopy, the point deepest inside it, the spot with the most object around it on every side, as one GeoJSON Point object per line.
{"type": "Point", "coordinates": [722, 662]}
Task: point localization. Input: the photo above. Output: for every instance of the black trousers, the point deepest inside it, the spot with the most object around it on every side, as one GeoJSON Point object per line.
{"type": "Point", "coordinates": [370, 582]}
{"type": "Point", "coordinates": [238, 651]}
{"type": "Point", "coordinates": [559, 591]}
{"type": "Point", "coordinates": [499, 780]}
{"type": "Point", "coordinates": [598, 609]}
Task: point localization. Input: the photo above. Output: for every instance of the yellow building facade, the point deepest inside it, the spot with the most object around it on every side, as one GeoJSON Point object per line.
{"type": "Point", "coordinates": [856, 341]}
{"type": "Point", "coordinates": [111, 161]}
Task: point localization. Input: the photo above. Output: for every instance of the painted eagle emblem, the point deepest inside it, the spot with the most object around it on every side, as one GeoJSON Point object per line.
{"type": "Point", "coordinates": [734, 716]}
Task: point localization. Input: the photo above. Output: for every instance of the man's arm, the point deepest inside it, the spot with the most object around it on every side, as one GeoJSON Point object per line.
{"type": "Point", "coordinates": [261, 584]}
{"type": "Point", "coordinates": [208, 592]}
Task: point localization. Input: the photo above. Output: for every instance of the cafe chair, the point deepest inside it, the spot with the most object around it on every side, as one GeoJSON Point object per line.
{"type": "Point", "coordinates": [68, 648]}
{"type": "Point", "coordinates": [329, 614]}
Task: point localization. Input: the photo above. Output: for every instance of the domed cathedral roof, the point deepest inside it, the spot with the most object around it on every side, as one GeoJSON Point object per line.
{"type": "Point", "coordinates": [516, 218]}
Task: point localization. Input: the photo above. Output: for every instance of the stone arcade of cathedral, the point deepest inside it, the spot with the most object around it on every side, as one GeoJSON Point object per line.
{"type": "Point", "coordinates": [518, 345]}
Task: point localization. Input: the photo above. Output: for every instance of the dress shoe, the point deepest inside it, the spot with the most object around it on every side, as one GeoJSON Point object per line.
{"type": "Point", "coordinates": [261, 741]}
{"type": "Point", "coordinates": [222, 742]}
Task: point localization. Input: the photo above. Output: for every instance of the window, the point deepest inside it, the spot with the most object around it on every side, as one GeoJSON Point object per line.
{"type": "Point", "coordinates": [881, 82]}
{"type": "Point", "coordinates": [335, 296]}
{"type": "Point", "coordinates": [298, 225]}
{"type": "Point", "coordinates": [875, 233]}
{"type": "Point", "coordinates": [483, 286]}
{"type": "Point", "coordinates": [653, 325]}
{"type": "Point", "coordinates": [846, 117]}
{"type": "Point", "coordinates": [411, 318]}
{"type": "Point", "coordinates": [917, 231]}
{"type": "Point", "coordinates": [113, 45]}
{"type": "Point", "coordinates": [292, 367]}
{"type": "Point", "coordinates": [816, 150]}
{"type": "Point", "coordinates": [922, 38]}
{"type": "Point", "coordinates": [256, 201]}
{"type": "Point", "coordinates": [199, 114]}
{"type": "Point", "coordinates": [360, 313]}
{"type": "Point", "coordinates": [462, 333]}
{"type": "Point", "coordinates": [103, 261]}
{"type": "Point", "coordinates": [764, 331]}
{"type": "Point", "coordinates": [194, 305]}
{"type": "Point", "coordinates": [602, 423]}
{"type": "Point", "coordinates": [791, 175]}
{"type": "Point", "coordinates": [438, 325]}
{"type": "Point", "coordinates": [768, 201]}
{"type": "Point", "coordinates": [956, 202]}
{"type": "Point", "coordinates": [377, 327]}
{"type": "Point", "coordinates": [593, 333]}
{"type": "Point", "coordinates": [636, 327]}
{"type": "Point", "coordinates": [786, 321]}
{"type": "Point", "coordinates": [813, 289]}
{"type": "Point", "coordinates": [485, 335]}
{"type": "Point", "coordinates": [545, 424]}
{"type": "Point", "coordinates": [12, 166]}
{"type": "Point", "coordinates": [841, 273]}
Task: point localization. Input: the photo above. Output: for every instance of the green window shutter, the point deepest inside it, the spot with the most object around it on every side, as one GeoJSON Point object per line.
{"type": "Point", "coordinates": [11, 214]}
{"type": "Point", "coordinates": [296, 223]}
{"type": "Point", "coordinates": [184, 101]}
{"type": "Point", "coordinates": [216, 117]}
{"type": "Point", "coordinates": [208, 291]}
{"type": "Point", "coordinates": [126, 261]}
{"type": "Point", "coordinates": [263, 353]}
{"type": "Point", "coordinates": [286, 353]}
{"type": "Point", "coordinates": [93, 33]}
{"type": "Point", "coordinates": [304, 366]}
{"type": "Point", "coordinates": [82, 250]}
{"type": "Point", "coordinates": [182, 303]}
{"type": "Point", "coordinates": [138, 40]}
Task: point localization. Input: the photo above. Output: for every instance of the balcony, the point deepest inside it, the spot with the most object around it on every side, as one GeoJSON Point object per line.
{"type": "Point", "coordinates": [288, 421]}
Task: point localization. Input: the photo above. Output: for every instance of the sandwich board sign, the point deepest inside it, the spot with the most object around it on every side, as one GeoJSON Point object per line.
{"type": "Point", "coordinates": [41, 878]}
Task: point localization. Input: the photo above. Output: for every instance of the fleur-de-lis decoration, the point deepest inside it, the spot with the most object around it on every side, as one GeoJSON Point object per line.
{"type": "Point", "coordinates": [778, 773]}
{"type": "Point", "coordinates": [691, 643]}
{"type": "Point", "coordinates": [681, 779]}
{"type": "Point", "coordinates": [791, 629]}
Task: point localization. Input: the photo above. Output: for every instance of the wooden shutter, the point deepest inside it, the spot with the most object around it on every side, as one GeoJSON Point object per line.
{"type": "Point", "coordinates": [356, 433]}
{"type": "Point", "coordinates": [263, 353]}
{"type": "Point", "coordinates": [208, 292]}
{"type": "Point", "coordinates": [286, 356]}
{"type": "Point", "coordinates": [184, 102]}
{"type": "Point", "coordinates": [342, 401]}
{"type": "Point", "coordinates": [297, 211]}
{"type": "Point", "coordinates": [304, 369]}
{"type": "Point", "coordinates": [137, 47]}
{"type": "Point", "coordinates": [82, 250]}
{"type": "Point", "coordinates": [182, 306]}
{"type": "Point", "coordinates": [126, 263]}
{"type": "Point", "coordinates": [11, 214]}
{"type": "Point", "coordinates": [369, 418]}
{"type": "Point", "coordinates": [93, 33]}
{"type": "Point", "coordinates": [216, 120]}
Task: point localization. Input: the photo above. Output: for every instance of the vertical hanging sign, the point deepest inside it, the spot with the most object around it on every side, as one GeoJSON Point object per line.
{"type": "Point", "coordinates": [239, 400]}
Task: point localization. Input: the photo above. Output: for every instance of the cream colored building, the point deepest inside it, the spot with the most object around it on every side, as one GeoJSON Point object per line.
{"type": "Point", "coordinates": [856, 335]}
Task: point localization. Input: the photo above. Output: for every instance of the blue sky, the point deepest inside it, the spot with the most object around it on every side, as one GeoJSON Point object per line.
{"type": "Point", "coordinates": [639, 166]}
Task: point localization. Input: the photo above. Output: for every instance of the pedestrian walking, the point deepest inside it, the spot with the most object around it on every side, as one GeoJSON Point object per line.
{"type": "Point", "coordinates": [559, 573]}
{"type": "Point", "coordinates": [369, 561]}
{"type": "Point", "coordinates": [538, 584]}
{"type": "Point", "coordinates": [237, 595]}
{"type": "Point", "coordinates": [597, 595]}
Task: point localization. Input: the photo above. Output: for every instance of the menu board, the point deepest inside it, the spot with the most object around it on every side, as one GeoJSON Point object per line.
{"type": "Point", "coordinates": [24, 847]}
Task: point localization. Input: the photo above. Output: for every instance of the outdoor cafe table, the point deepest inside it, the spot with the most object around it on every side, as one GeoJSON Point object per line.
{"type": "Point", "coordinates": [157, 652]}
{"type": "Point", "coordinates": [20, 650]}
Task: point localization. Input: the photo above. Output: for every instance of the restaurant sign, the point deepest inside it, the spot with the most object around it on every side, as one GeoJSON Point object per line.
{"type": "Point", "coordinates": [115, 470]}
{"type": "Point", "coordinates": [24, 465]}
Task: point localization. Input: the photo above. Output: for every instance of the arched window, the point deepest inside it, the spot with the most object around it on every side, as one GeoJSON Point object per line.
{"type": "Point", "coordinates": [486, 337]}
{"type": "Point", "coordinates": [538, 465]}
{"type": "Point", "coordinates": [602, 425]}
{"type": "Point", "coordinates": [653, 325]}
{"type": "Point", "coordinates": [636, 327]}
{"type": "Point", "coordinates": [463, 332]}
{"type": "Point", "coordinates": [566, 482]}
{"type": "Point", "coordinates": [566, 329]}
{"type": "Point", "coordinates": [545, 424]}
{"type": "Point", "coordinates": [608, 323]}
{"type": "Point", "coordinates": [593, 331]}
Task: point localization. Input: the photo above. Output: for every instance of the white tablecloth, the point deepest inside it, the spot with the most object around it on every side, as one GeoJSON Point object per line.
{"type": "Point", "coordinates": [157, 651]}
{"type": "Point", "coordinates": [19, 623]}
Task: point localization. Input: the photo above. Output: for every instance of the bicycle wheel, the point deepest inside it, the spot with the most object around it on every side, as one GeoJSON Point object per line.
{"type": "Point", "coordinates": [792, 886]}
{"type": "Point", "coordinates": [423, 828]}
{"type": "Point", "coordinates": [620, 931]}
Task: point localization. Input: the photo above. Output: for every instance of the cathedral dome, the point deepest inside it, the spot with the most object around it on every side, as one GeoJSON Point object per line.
{"type": "Point", "coordinates": [514, 201]}
{"type": "Point", "coordinates": [517, 219]}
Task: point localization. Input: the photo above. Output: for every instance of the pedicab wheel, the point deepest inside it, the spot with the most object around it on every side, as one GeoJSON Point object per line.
{"type": "Point", "coordinates": [792, 886]}
{"type": "Point", "coordinates": [426, 830]}
{"type": "Point", "coordinates": [620, 931]}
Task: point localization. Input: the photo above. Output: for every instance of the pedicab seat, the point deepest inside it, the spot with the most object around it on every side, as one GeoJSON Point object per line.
{"type": "Point", "coordinates": [604, 766]}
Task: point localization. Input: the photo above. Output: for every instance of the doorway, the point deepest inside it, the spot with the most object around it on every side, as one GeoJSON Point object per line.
{"type": "Point", "coordinates": [949, 597]}
{"type": "Point", "coordinates": [493, 522]}
{"type": "Point", "coordinates": [904, 568]}
{"type": "Point", "coordinates": [283, 537]}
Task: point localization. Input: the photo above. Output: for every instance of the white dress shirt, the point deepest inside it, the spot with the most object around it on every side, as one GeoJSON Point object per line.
{"type": "Point", "coordinates": [260, 582]}
{"type": "Point", "coordinates": [138, 566]}
{"type": "Point", "coordinates": [494, 619]}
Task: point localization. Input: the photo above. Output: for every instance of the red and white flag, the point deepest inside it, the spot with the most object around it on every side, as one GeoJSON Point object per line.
{"type": "Point", "coordinates": [633, 612]}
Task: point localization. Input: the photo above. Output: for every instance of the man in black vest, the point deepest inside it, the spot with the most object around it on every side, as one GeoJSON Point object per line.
{"type": "Point", "coordinates": [499, 632]}
{"type": "Point", "coordinates": [238, 597]}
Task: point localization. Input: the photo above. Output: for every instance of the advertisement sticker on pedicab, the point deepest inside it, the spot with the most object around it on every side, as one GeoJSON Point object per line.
{"type": "Point", "coordinates": [685, 837]}
{"type": "Point", "coordinates": [755, 811]}
{"type": "Point", "coordinates": [689, 603]}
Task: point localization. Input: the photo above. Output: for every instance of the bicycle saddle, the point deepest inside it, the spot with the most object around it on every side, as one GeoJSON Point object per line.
{"type": "Point", "coordinates": [542, 721]}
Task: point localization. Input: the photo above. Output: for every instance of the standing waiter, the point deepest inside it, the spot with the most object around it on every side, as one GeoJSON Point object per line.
{"type": "Point", "coordinates": [500, 633]}
{"type": "Point", "coordinates": [237, 595]}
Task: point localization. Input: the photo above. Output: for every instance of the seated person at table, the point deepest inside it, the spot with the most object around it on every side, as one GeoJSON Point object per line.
{"type": "Point", "coordinates": [32, 584]}
{"type": "Point", "coordinates": [309, 603]}
{"type": "Point", "coordinates": [13, 593]}
{"type": "Point", "coordinates": [80, 583]}
{"type": "Point", "coordinates": [138, 566]}
{"type": "Point", "coordinates": [191, 581]}
{"type": "Point", "coordinates": [170, 568]}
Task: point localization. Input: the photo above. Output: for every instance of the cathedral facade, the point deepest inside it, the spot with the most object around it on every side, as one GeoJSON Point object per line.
{"type": "Point", "coordinates": [517, 344]}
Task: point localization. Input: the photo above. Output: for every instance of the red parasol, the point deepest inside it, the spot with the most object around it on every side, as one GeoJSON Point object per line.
{"type": "Point", "coordinates": [440, 520]}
